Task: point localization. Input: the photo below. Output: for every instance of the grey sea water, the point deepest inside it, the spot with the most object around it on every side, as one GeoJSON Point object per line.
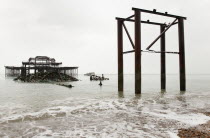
{"type": "Point", "coordinates": [88, 110]}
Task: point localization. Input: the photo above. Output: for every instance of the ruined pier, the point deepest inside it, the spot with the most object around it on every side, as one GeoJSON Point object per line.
{"type": "Point", "coordinates": [137, 47]}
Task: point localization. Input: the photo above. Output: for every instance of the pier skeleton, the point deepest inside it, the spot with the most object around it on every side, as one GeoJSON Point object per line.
{"type": "Point", "coordinates": [40, 64]}
{"type": "Point", "coordinates": [136, 18]}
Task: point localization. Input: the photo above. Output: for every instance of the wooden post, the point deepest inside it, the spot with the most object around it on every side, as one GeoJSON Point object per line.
{"type": "Point", "coordinates": [137, 52]}
{"type": "Point", "coordinates": [162, 59]}
{"type": "Point", "coordinates": [120, 54]}
{"type": "Point", "coordinates": [181, 55]}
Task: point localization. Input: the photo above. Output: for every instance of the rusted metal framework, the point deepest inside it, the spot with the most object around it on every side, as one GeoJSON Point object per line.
{"type": "Point", "coordinates": [40, 64]}
{"type": "Point", "coordinates": [137, 48]}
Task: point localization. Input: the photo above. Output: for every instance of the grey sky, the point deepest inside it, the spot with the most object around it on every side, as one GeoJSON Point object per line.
{"type": "Point", "coordinates": [83, 33]}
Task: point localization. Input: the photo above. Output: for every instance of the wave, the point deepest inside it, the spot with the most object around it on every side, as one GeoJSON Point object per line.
{"type": "Point", "coordinates": [153, 117]}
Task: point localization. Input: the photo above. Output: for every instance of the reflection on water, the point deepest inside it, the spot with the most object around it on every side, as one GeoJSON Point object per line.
{"type": "Point", "coordinates": [88, 110]}
{"type": "Point", "coordinates": [120, 94]}
{"type": "Point", "coordinates": [138, 96]}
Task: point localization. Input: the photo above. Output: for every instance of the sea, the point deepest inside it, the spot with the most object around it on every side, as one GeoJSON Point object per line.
{"type": "Point", "coordinates": [91, 111]}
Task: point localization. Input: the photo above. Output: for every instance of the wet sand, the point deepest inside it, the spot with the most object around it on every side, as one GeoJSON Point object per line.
{"type": "Point", "coordinates": [200, 131]}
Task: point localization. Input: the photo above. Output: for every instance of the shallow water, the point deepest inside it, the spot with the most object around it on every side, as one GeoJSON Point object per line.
{"type": "Point", "coordinates": [88, 110]}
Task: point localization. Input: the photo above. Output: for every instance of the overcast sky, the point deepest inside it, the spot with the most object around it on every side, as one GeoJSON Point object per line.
{"type": "Point", "coordinates": [84, 33]}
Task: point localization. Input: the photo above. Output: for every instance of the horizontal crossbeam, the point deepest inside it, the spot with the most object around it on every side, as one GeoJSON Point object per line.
{"type": "Point", "coordinates": [146, 22]}
{"type": "Point", "coordinates": [152, 51]}
{"type": "Point", "coordinates": [131, 51]}
{"type": "Point", "coordinates": [159, 13]}
{"type": "Point", "coordinates": [167, 52]}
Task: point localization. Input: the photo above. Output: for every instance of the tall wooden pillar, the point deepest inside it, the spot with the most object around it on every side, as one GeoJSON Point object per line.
{"type": "Point", "coordinates": [137, 52]}
{"type": "Point", "coordinates": [120, 53]}
{"type": "Point", "coordinates": [162, 59]}
{"type": "Point", "coordinates": [181, 55]}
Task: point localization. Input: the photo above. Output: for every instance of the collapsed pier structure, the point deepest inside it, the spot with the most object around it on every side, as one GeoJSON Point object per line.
{"type": "Point", "coordinates": [137, 46]}
{"type": "Point", "coordinates": [40, 65]}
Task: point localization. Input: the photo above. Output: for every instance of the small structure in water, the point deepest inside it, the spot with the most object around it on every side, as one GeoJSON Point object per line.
{"type": "Point", "coordinates": [42, 69]}
{"type": "Point", "coordinates": [100, 83]}
{"type": "Point", "coordinates": [98, 78]}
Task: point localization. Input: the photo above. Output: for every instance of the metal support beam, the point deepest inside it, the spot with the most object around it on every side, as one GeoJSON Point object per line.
{"type": "Point", "coordinates": [159, 13]}
{"type": "Point", "coordinates": [129, 37]}
{"type": "Point", "coordinates": [145, 22]}
{"type": "Point", "coordinates": [181, 55]}
{"type": "Point", "coordinates": [130, 17]}
{"type": "Point", "coordinates": [137, 51]}
{"type": "Point", "coordinates": [162, 59]}
{"type": "Point", "coordinates": [131, 51]}
{"type": "Point", "coordinates": [120, 53]}
{"type": "Point", "coordinates": [152, 51]}
{"type": "Point", "coordinates": [160, 35]}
